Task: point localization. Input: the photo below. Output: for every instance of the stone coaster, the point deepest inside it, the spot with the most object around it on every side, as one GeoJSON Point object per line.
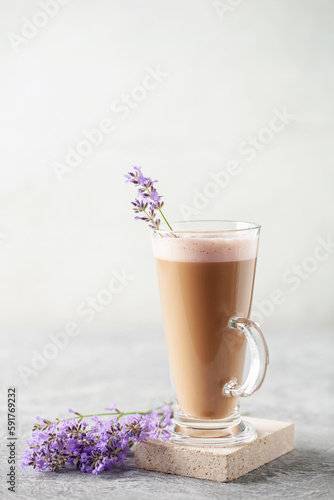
{"type": "Point", "coordinates": [274, 439]}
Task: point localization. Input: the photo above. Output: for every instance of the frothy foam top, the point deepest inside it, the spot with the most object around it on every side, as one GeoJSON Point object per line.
{"type": "Point", "coordinates": [191, 248]}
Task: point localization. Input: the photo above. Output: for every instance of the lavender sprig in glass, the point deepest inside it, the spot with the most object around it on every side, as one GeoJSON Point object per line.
{"type": "Point", "coordinates": [96, 446]}
{"type": "Point", "coordinates": [148, 200]}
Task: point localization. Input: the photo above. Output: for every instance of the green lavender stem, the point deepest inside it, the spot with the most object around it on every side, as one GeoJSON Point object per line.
{"type": "Point", "coordinates": [117, 412]}
{"type": "Point", "coordinates": [165, 220]}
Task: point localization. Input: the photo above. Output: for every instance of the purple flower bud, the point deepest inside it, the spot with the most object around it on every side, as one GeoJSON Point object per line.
{"type": "Point", "coordinates": [111, 407]}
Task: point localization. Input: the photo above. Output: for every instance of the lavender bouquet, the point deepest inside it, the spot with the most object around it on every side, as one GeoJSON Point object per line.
{"type": "Point", "coordinates": [96, 446]}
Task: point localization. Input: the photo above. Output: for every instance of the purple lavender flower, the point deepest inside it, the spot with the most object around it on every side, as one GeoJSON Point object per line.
{"type": "Point", "coordinates": [111, 407]}
{"type": "Point", "coordinates": [148, 199]}
{"type": "Point", "coordinates": [156, 199]}
{"type": "Point", "coordinates": [139, 179]}
{"type": "Point", "coordinates": [159, 423]}
{"type": "Point", "coordinates": [93, 447]}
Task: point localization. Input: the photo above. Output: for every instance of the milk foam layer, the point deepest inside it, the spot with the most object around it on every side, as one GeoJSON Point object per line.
{"type": "Point", "coordinates": [191, 248]}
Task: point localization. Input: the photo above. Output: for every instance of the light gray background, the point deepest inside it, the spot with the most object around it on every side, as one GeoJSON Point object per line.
{"type": "Point", "coordinates": [225, 77]}
{"type": "Point", "coordinates": [230, 69]}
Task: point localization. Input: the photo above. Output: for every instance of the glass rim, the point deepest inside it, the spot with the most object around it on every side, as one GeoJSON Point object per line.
{"type": "Point", "coordinates": [248, 226]}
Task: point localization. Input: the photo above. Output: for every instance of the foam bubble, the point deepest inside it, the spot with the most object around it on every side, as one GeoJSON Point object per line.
{"type": "Point", "coordinates": [202, 248]}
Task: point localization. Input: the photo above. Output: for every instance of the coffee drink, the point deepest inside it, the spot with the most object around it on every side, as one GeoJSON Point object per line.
{"type": "Point", "coordinates": [205, 280]}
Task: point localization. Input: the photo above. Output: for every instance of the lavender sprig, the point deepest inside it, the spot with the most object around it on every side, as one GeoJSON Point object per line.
{"type": "Point", "coordinates": [148, 200]}
{"type": "Point", "coordinates": [93, 447]}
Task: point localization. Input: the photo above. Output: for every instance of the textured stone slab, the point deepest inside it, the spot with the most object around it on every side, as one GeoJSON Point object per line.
{"type": "Point", "coordinates": [274, 439]}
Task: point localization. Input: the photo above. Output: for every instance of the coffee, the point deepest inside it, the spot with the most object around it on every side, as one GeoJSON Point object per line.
{"type": "Point", "coordinates": [204, 281]}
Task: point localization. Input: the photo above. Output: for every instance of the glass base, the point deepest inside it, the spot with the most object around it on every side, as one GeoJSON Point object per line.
{"type": "Point", "coordinates": [226, 432]}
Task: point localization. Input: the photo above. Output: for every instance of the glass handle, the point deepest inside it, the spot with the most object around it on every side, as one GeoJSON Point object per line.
{"type": "Point", "coordinates": [259, 359]}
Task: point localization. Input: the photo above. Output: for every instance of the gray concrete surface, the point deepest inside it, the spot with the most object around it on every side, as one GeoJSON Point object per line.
{"type": "Point", "coordinates": [132, 369]}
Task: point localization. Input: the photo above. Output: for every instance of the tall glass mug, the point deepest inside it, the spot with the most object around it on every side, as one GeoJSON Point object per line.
{"type": "Point", "coordinates": [206, 273]}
